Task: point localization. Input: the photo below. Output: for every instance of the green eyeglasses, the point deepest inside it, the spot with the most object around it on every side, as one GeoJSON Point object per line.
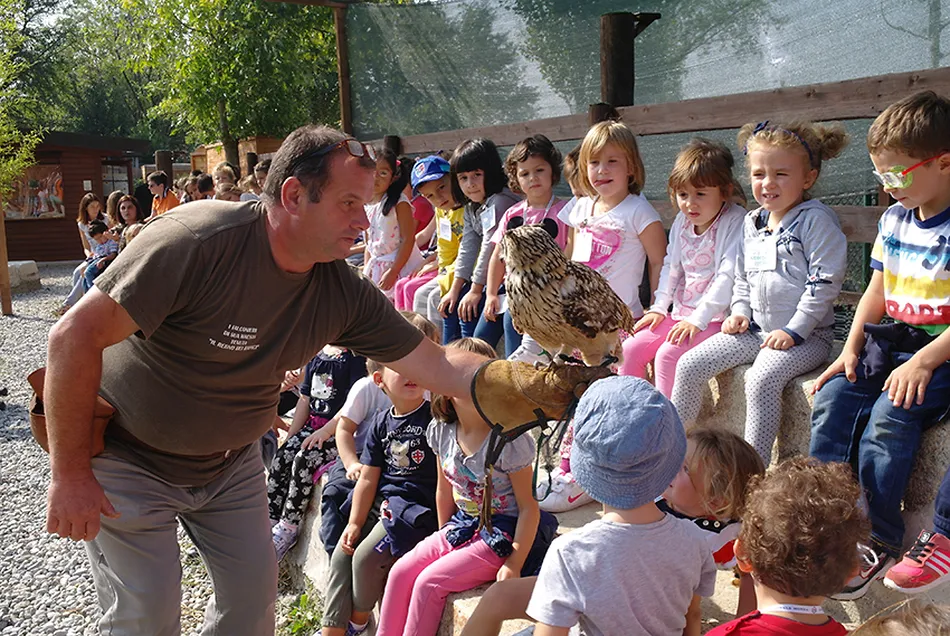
{"type": "Point", "coordinates": [899, 177]}
{"type": "Point", "coordinates": [355, 147]}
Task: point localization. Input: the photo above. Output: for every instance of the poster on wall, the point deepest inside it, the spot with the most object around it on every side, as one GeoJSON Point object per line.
{"type": "Point", "coordinates": [37, 195]}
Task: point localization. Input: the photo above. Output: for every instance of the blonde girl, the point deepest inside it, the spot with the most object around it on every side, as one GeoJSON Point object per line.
{"type": "Point", "coordinates": [699, 266]}
{"type": "Point", "coordinates": [617, 232]}
{"type": "Point", "coordinates": [390, 251]}
{"type": "Point", "coordinates": [615, 229]}
{"type": "Point", "coordinates": [461, 556]}
{"type": "Point", "coordinates": [791, 263]}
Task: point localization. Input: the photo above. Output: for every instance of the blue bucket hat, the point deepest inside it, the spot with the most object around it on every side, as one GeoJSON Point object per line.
{"type": "Point", "coordinates": [429, 169]}
{"type": "Point", "coordinates": [629, 442]}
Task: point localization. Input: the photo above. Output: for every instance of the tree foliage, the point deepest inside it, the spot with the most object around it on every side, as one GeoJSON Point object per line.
{"type": "Point", "coordinates": [16, 146]}
{"type": "Point", "coordinates": [234, 68]}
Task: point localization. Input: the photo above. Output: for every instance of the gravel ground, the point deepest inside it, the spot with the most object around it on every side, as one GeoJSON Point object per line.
{"type": "Point", "coordinates": [46, 582]}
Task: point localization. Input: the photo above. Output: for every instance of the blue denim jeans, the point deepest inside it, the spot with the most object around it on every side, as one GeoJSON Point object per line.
{"type": "Point", "coordinates": [942, 507]}
{"type": "Point", "coordinates": [491, 332]}
{"type": "Point", "coordinates": [856, 423]}
{"type": "Point", "coordinates": [454, 327]}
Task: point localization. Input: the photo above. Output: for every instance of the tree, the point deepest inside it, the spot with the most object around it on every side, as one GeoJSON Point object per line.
{"type": "Point", "coordinates": [233, 68]}
{"type": "Point", "coordinates": [16, 146]}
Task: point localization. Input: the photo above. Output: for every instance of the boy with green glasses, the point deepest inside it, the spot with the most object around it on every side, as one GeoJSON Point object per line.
{"type": "Point", "coordinates": [891, 382]}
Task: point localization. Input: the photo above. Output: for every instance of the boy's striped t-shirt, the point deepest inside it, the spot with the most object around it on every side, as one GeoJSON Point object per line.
{"type": "Point", "coordinates": [914, 257]}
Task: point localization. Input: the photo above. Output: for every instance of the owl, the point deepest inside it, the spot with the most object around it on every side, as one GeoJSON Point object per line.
{"type": "Point", "coordinates": [562, 304]}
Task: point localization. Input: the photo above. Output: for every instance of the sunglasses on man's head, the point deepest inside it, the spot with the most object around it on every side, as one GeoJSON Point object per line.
{"type": "Point", "coordinates": [355, 147]}
{"type": "Point", "coordinates": [899, 177]}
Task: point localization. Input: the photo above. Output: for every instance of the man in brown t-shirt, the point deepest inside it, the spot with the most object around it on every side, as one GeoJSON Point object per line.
{"type": "Point", "coordinates": [188, 335]}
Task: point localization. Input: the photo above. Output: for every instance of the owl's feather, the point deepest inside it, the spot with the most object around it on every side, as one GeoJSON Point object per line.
{"type": "Point", "coordinates": [562, 304]}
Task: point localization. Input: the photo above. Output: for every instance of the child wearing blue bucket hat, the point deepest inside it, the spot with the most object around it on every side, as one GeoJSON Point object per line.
{"type": "Point", "coordinates": [637, 570]}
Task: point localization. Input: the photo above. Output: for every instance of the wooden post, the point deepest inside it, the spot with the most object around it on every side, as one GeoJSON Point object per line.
{"type": "Point", "coordinates": [6, 295]}
{"type": "Point", "coordinates": [599, 112]}
{"type": "Point", "coordinates": [251, 158]}
{"type": "Point", "coordinates": [617, 34]}
{"type": "Point", "coordinates": [343, 69]}
{"type": "Point", "coordinates": [163, 162]}
{"type": "Point", "coordinates": [394, 143]}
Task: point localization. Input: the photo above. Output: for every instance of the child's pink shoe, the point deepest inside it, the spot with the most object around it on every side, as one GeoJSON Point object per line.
{"type": "Point", "coordinates": [925, 566]}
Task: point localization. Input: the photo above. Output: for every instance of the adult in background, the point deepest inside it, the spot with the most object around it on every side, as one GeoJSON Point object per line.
{"type": "Point", "coordinates": [261, 168]}
{"type": "Point", "coordinates": [188, 334]}
{"type": "Point", "coordinates": [163, 199]}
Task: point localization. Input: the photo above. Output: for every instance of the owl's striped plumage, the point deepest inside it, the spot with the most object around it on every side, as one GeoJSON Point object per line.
{"type": "Point", "coordinates": [562, 304]}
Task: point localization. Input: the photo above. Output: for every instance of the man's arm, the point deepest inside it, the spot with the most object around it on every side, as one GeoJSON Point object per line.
{"type": "Point", "coordinates": [442, 371]}
{"type": "Point", "coordinates": [73, 373]}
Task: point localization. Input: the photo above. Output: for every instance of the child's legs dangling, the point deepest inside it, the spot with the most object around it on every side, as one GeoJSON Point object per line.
{"type": "Point", "coordinates": [668, 355]}
{"type": "Point", "coordinates": [640, 348]}
{"type": "Point", "coordinates": [420, 301]}
{"type": "Point", "coordinates": [719, 353]}
{"type": "Point", "coordinates": [457, 570]}
{"type": "Point", "coordinates": [394, 610]}
{"type": "Point", "coordinates": [766, 380]}
{"type": "Point", "coordinates": [305, 465]}
{"type": "Point", "coordinates": [280, 472]}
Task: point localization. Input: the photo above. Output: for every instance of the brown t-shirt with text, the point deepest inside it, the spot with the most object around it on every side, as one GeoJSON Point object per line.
{"type": "Point", "coordinates": [220, 323]}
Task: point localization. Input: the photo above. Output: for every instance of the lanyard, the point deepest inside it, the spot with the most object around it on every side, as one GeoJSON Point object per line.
{"type": "Point", "coordinates": [793, 609]}
{"type": "Point", "coordinates": [547, 208]}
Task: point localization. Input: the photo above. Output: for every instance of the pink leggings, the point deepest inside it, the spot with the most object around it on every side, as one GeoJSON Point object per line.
{"type": "Point", "coordinates": [404, 291]}
{"type": "Point", "coordinates": [648, 345]}
{"type": "Point", "coordinates": [421, 580]}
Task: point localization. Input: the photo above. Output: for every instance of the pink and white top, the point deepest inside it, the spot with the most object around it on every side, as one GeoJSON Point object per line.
{"type": "Point", "coordinates": [610, 243]}
{"type": "Point", "coordinates": [533, 216]}
{"type": "Point", "coordinates": [699, 269]}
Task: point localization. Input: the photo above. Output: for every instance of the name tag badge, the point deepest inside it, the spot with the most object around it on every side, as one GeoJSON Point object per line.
{"type": "Point", "coordinates": [488, 220]}
{"type": "Point", "coordinates": [583, 245]}
{"type": "Point", "coordinates": [761, 253]}
{"type": "Point", "coordinates": [445, 229]}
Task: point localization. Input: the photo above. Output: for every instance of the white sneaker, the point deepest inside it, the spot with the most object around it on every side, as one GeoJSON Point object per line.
{"type": "Point", "coordinates": [564, 493]}
{"type": "Point", "coordinates": [285, 537]}
{"type": "Point", "coordinates": [529, 351]}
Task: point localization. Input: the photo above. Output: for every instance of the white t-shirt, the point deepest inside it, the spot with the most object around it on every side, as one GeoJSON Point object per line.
{"type": "Point", "coordinates": [364, 400]}
{"type": "Point", "coordinates": [610, 243]}
{"type": "Point", "coordinates": [618, 578]}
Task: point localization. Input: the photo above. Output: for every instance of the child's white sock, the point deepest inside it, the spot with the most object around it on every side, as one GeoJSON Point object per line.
{"type": "Point", "coordinates": [357, 628]}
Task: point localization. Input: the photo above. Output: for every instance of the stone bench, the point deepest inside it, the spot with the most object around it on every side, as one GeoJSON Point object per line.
{"type": "Point", "coordinates": [723, 405]}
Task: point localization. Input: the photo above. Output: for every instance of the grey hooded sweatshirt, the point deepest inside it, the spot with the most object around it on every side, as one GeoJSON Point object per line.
{"type": "Point", "coordinates": [471, 264]}
{"type": "Point", "coordinates": [798, 294]}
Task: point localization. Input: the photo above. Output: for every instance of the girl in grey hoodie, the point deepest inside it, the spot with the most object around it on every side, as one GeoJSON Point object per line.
{"type": "Point", "coordinates": [789, 271]}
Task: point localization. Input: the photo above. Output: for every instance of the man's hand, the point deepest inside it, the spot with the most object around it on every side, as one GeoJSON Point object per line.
{"type": "Point", "coordinates": [649, 321]}
{"type": "Point", "coordinates": [388, 279]}
{"type": "Point", "coordinates": [682, 331]}
{"type": "Point", "coordinates": [350, 538]}
{"type": "Point", "coordinates": [353, 471]}
{"type": "Point", "coordinates": [492, 306]}
{"type": "Point", "coordinates": [846, 363]}
{"type": "Point", "coordinates": [74, 505]}
{"type": "Point", "coordinates": [778, 340]}
{"type": "Point", "coordinates": [318, 437]}
{"type": "Point", "coordinates": [907, 384]}
{"type": "Point", "coordinates": [735, 324]}
{"type": "Point", "coordinates": [468, 306]}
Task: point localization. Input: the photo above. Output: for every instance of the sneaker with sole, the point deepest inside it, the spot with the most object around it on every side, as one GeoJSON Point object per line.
{"type": "Point", "coordinates": [925, 566]}
{"type": "Point", "coordinates": [285, 537]}
{"type": "Point", "coordinates": [564, 494]}
{"type": "Point", "coordinates": [874, 563]}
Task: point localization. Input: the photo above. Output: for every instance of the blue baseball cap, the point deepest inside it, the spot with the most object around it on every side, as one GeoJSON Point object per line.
{"type": "Point", "coordinates": [429, 169]}
{"type": "Point", "coordinates": [629, 442]}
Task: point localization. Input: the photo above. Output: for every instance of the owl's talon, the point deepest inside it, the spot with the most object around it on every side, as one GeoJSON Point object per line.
{"type": "Point", "coordinates": [569, 359]}
{"type": "Point", "coordinates": [609, 360]}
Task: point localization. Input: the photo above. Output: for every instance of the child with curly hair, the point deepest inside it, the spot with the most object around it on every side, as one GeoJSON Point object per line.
{"type": "Point", "coordinates": [797, 541]}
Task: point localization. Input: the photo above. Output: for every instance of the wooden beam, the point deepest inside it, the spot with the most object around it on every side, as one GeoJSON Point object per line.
{"type": "Point", "coordinates": [850, 99]}
{"type": "Point", "coordinates": [616, 58]}
{"type": "Point", "coordinates": [6, 293]}
{"type": "Point", "coordinates": [343, 69]}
